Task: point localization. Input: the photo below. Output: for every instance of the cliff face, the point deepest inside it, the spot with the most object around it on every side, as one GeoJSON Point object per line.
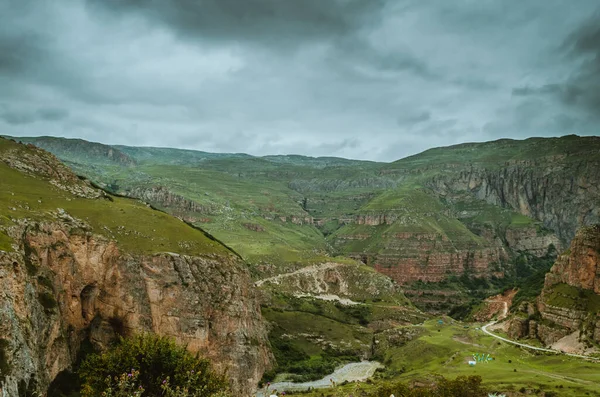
{"type": "Point", "coordinates": [457, 246]}
{"type": "Point", "coordinates": [580, 266]}
{"type": "Point", "coordinates": [64, 286]}
{"type": "Point", "coordinates": [162, 197]}
{"type": "Point", "coordinates": [570, 300]}
{"type": "Point", "coordinates": [558, 191]}
{"type": "Point", "coordinates": [99, 266]}
{"type": "Point", "coordinates": [569, 305]}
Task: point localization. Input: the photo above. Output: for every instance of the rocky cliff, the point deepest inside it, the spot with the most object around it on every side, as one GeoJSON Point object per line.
{"type": "Point", "coordinates": [567, 313]}
{"type": "Point", "coordinates": [177, 204]}
{"type": "Point", "coordinates": [570, 300]}
{"type": "Point", "coordinates": [579, 266]}
{"type": "Point", "coordinates": [427, 238]}
{"type": "Point", "coordinates": [67, 281]}
{"type": "Point", "coordinates": [559, 190]}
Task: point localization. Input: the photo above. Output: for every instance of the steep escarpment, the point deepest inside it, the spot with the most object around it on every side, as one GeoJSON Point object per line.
{"type": "Point", "coordinates": [557, 192]}
{"type": "Point", "coordinates": [80, 269]}
{"type": "Point", "coordinates": [570, 300]}
{"type": "Point", "coordinates": [579, 267]}
{"type": "Point", "coordinates": [567, 313]}
{"type": "Point", "coordinates": [64, 287]}
{"type": "Point", "coordinates": [164, 198]}
{"type": "Point", "coordinates": [411, 234]}
{"type": "Point", "coordinates": [553, 180]}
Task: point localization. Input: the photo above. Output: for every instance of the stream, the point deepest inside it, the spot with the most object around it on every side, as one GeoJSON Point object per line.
{"type": "Point", "coordinates": [350, 372]}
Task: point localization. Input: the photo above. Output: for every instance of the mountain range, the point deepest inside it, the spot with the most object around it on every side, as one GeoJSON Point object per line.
{"type": "Point", "coordinates": [312, 260]}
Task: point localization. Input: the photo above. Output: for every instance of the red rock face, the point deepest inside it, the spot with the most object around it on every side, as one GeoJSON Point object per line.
{"type": "Point", "coordinates": [436, 266]}
{"type": "Point", "coordinates": [580, 265]}
{"type": "Point", "coordinates": [432, 257]}
{"type": "Point", "coordinates": [205, 302]}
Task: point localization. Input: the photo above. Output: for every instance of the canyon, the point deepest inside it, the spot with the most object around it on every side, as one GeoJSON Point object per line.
{"type": "Point", "coordinates": [567, 311]}
{"type": "Point", "coordinates": [67, 285]}
{"type": "Point", "coordinates": [317, 244]}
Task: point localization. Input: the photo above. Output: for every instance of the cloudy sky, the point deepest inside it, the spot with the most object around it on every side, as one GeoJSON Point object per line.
{"type": "Point", "coordinates": [368, 79]}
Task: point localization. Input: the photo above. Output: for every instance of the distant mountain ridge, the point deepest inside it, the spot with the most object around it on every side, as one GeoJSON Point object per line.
{"type": "Point", "coordinates": [466, 210]}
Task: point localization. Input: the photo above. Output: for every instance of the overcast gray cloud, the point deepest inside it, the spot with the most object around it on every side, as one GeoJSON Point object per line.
{"type": "Point", "coordinates": [376, 79]}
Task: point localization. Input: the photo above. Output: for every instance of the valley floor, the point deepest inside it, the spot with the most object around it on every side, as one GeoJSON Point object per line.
{"type": "Point", "coordinates": [445, 348]}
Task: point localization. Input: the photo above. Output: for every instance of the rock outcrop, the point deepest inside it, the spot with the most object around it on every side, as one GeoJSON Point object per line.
{"type": "Point", "coordinates": [65, 282]}
{"type": "Point", "coordinates": [570, 300]}
{"type": "Point", "coordinates": [567, 313]}
{"type": "Point", "coordinates": [561, 192]}
{"type": "Point", "coordinates": [63, 287]}
{"type": "Point", "coordinates": [580, 265]}
{"type": "Point", "coordinates": [162, 197]}
{"type": "Point", "coordinates": [434, 266]}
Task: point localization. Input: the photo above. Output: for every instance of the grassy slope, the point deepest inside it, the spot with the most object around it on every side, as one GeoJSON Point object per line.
{"type": "Point", "coordinates": [497, 153]}
{"type": "Point", "coordinates": [136, 227]}
{"type": "Point", "coordinates": [570, 297]}
{"type": "Point", "coordinates": [238, 202]}
{"type": "Point", "coordinates": [445, 349]}
{"type": "Point", "coordinates": [242, 190]}
{"type": "Point", "coordinates": [446, 352]}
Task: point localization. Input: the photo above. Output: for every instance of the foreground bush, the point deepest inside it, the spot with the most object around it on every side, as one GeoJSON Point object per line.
{"type": "Point", "coordinates": [150, 366]}
{"type": "Point", "coordinates": [462, 386]}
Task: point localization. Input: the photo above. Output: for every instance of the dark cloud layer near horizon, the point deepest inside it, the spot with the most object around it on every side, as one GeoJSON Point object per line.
{"type": "Point", "coordinates": [367, 79]}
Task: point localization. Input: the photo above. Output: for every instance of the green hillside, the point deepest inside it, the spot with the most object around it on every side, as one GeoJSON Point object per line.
{"type": "Point", "coordinates": [136, 227]}
{"type": "Point", "coordinates": [498, 153]}
{"type": "Point", "coordinates": [280, 212]}
{"type": "Point", "coordinates": [304, 225]}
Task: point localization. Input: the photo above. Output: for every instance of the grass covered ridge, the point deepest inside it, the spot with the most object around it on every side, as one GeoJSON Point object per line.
{"type": "Point", "coordinates": [136, 227]}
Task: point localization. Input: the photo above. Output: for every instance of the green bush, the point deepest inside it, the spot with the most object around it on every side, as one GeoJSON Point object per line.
{"type": "Point", "coordinates": [157, 361]}
{"type": "Point", "coordinates": [462, 386]}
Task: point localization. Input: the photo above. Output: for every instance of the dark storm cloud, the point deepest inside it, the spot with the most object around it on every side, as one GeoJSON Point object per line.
{"type": "Point", "coordinates": [583, 88]}
{"type": "Point", "coordinates": [19, 52]}
{"type": "Point", "coordinates": [17, 117]}
{"type": "Point", "coordinates": [270, 22]}
{"type": "Point", "coordinates": [414, 118]}
{"type": "Point", "coordinates": [372, 79]}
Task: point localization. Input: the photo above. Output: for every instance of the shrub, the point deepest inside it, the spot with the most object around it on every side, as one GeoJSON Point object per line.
{"type": "Point", "coordinates": [462, 386]}
{"type": "Point", "coordinates": [156, 361]}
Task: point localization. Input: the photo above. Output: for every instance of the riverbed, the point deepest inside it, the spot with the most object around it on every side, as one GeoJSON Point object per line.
{"type": "Point", "coordinates": [350, 372]}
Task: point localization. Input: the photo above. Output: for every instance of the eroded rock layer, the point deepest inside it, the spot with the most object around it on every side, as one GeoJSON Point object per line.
{"type": "Point", "coordinates": [66, 285]}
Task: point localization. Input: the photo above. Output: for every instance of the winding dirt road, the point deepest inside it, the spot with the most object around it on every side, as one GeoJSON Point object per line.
{"type": "Point", "coordinates": [503, 316]}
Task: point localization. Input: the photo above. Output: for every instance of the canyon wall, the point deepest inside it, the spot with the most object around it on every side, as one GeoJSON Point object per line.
{"type": "Point", "coordinates": [65, 285]}
{"type": "Point", "coordinates": [570, 300]}
{"type": "Point", "coordinates": [560, 191]}
{"type": "Point", "coordinates": [580, 265]}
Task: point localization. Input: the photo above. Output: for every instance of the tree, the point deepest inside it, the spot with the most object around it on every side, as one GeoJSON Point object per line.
{"type": "Point", "coordinates": [156, 361]}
